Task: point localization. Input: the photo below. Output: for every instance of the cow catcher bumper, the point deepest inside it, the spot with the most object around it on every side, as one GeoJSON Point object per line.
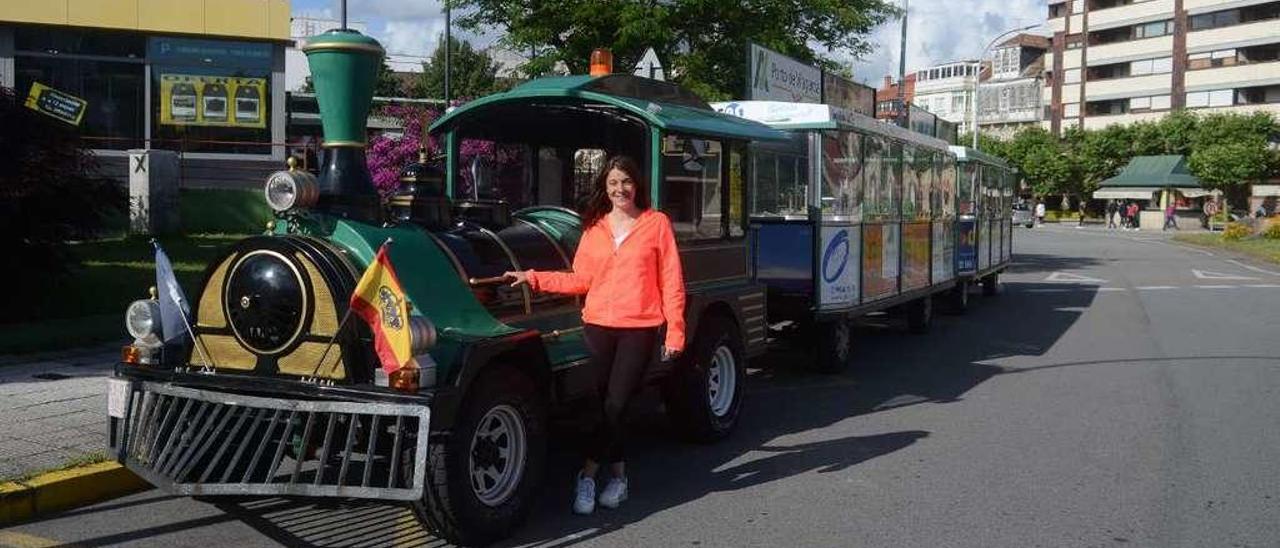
{"type": "Point", "coordinates": [199, 438]}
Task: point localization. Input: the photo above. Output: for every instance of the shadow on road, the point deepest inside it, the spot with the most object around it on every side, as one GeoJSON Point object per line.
{"type": "Point", "coordinates": [1037, 262]}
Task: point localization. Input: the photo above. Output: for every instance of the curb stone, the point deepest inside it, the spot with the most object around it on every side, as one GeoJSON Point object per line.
{"type": "Point", "coordinates": [65, 489]}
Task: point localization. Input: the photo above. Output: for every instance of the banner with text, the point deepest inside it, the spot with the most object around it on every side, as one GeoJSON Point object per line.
{"type": "Point", "coordinates": [776, 77]}
{"type": "Point", "coordinates": [226, 101]}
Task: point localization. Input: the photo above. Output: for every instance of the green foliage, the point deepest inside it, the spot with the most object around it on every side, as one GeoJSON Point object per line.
{"type": "Point", "coordinates": [703, 43]}
{"type": "Point", "coordinates": [1272, 232]}
{"type": "Point", "coordinates": [222, 211]}
{"type": "Point", "coordinates": [475, 73]}
{"type": "Point", "coordinates": [1236, 232]}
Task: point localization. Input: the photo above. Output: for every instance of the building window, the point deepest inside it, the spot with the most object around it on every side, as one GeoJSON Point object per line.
{"type": "Point", "coordinates": [1238, 16]}
{"type": "Point", "coordinates": [1071, 76]}
{"type": "Point", "coordinates": [1151, 30]}
{"type": "Point", "coordinates": [210, 96]}
{"type": "Point", "coordinates": [1258, 95]}
{"type": "Point", "coordinates": [1106, 108]}
{"type": "Point", "coordinates": [1071, 110]}
{"type": "Point", "coordinates": [1057, 10]}
{"type": "Point", "coordinates": [1216, 98]}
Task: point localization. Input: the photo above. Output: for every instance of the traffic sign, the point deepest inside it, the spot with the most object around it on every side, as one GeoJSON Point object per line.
{"type": "Point", "coordinates": [649, 66]}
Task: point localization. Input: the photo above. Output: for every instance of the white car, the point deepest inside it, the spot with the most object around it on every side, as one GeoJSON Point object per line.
{"type": "Point", "coordinates": [1023, 215]}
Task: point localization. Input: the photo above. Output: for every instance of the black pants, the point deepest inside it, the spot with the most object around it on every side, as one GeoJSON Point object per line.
{"type": "Point", "coordinates": [619, 358]}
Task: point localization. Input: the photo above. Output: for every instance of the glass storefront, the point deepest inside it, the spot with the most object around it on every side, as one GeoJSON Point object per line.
{"type": "Point", "coordinates": [205, 96]}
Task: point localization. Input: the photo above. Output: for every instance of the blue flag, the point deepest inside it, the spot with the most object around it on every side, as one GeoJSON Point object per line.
{"type": "Point", "coordinates": [174, 310]}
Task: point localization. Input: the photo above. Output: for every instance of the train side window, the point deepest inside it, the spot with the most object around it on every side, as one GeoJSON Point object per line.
{"type": "Point", "coordinates": [737, 189]}
{"type": "Point", "coordinates": [876, 197]}
{"type": "Point", "coordinates": [922, 164]}
{"type": "Point", "coordinates": [893, 179]}
{"type": "Point", "coordinates": [587, 163]}
{"type": "Point", "coordinates": [778, 178]}
{"type": "Point", "coordinates": [692, 177]}
{"type": "Point", "coordinates": [911, 205]}
{"type": "Point", "coordinates": [842, 174]}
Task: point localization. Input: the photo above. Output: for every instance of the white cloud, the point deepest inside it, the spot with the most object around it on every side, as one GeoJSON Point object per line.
{"type": "Point", "coordinates": [939, 31]}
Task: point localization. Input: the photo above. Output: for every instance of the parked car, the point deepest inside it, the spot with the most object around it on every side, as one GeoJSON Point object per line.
{"type": "Point", "coordinates": [1022, 215]}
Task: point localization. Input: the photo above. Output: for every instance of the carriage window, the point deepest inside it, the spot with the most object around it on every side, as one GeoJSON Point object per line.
{"type": "Point", "coordinates": [737, 189]}
{"type": "Point", "coordinates": [778, 179]}
{"type": "Point", "coordinates": [842, 168]}
{"type": "Point", "coordinates": [691, 181]}
{"type": "Point", "coordinates": [587, 164]}
{"type": "Point", "coordinates": [967, 183]}
{"type": "Point", "coordinates": [922, 164]}
{"type": "Point", "coordinates": [892, 164]}
{"type": "Point", "coordinates": [910, 181]}
{"type": "Point", "coordinates": [946, 188]}
{"type": "Point", "coordinates": [876, 198]}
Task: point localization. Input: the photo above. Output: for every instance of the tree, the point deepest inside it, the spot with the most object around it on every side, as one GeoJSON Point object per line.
{"type": "Point", "coordinates": [703, 42]}
{"type": "Point", "coordinates": [475, 73]}
{"type": "Point", "coordinates": [1230, 151]}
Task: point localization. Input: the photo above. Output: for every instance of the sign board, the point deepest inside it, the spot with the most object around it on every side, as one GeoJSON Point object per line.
{"type": "Point", "coordinates": [191, 100]}
{"type": "Point", "coordinates": [649, 66]}
{"type": "Point", "coordinates": [851, 96]}
{"type": "Point", "coordinates": [56, 104]}
{"type": "Point", "coordinates": [838, 266]}
{"type": "Point", "coordinates": [776, 77]}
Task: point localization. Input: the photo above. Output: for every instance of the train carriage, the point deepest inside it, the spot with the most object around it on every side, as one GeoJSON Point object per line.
{"type": "Point", "coordinates": [280, 395]}
{"type": "Point", "coordinates": [852, 216]}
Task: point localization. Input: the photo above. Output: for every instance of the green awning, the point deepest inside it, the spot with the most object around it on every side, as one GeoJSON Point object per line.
{"type": "Point", "coordinates": [1154, 172]}
{"type": "Point", "coordinates": [659, 104]}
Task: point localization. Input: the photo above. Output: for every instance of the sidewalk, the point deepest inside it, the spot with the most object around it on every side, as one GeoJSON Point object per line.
{"type": "Point", "coordinates": [54, 408]}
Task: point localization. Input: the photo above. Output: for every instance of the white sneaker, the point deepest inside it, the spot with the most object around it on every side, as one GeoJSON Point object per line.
{"type": "Point", "coordinates": [585, 500]}
{"type": "Point", "coordinates": [614, 493]}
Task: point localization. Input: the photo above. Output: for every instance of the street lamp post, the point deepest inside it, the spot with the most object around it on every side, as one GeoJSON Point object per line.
{"type": "Point", "coordinates": [977, 76]}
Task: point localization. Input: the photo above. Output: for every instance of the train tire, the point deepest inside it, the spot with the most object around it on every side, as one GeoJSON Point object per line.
{"type": "Point", "coordinates": [991, 285]}
{"type": "Point", "coordinates": [482, 476]}
{"type": "Point", "coordinates": [834, 346]}
{"type": "Point", "coordinates": [920, 315]}
{"type": "Point", "coordinates": [703, 395]}
{"type": "Point", "coordinates": [957, 298]}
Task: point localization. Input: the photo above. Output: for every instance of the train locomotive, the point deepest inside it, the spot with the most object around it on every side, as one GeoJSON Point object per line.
{"type": "Point", "coordinates": [276, 393]}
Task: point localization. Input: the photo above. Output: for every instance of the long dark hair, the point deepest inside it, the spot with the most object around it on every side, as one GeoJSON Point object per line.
{"type": "Point", "coordinates": [598, 204]}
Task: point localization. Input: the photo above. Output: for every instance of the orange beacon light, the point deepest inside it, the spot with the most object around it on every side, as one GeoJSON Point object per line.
{"type": "Point", "coordinates": [601, 62]}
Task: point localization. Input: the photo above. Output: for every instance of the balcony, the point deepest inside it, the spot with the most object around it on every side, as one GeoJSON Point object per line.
{"type": "Point", "coordinates": [1238, 76]}
{"type": "Point", "coordinates": [1144, 48]}
{"type": "Point", "coordinates": [1225, 37]}
{"type": "Point", "coordinates": [1129, 14]}
{"type": "Point", "coordinates": [1201, 6]}
{"type": "Point", "coordinates": [1133, 86]}
{"type": "Point", "coordinates": [1099, 122]}
{"type": "Point", "coordinates": [1071, 58]}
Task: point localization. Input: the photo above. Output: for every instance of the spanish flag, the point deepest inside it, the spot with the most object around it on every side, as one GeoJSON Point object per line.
{"type": "Point", "coordinates": [380, 300]}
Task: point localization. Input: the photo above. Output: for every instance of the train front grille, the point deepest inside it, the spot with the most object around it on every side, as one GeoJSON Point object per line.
{"type": "Point", "coordinates": [203, 442]}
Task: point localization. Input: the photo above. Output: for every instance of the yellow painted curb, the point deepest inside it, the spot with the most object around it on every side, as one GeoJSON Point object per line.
{"type": "Point", "coordinates": [66, 489]}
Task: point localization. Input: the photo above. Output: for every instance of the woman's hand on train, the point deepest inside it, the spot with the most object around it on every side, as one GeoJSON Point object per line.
{"type": "Point", "coordinates": [516, 278]}
{"type": "Point", "coordinates": [669, 353]}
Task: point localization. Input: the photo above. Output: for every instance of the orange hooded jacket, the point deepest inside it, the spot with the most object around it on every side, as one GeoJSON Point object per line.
{"type": "Point", "coordinates": [639, 284]}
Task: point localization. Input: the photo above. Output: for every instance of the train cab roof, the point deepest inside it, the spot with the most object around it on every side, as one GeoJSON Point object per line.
{"type": "Point", "coordinates": [813, 116]}
{"type": "Point", "coordinates": [575, 104]}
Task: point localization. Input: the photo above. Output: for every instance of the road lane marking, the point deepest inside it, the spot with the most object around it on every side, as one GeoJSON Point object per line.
{"type": "Point", "coordinates": [1264, 286]}
{"type": "Point", "coordinates": [1217, 286]}
{"type": "Point", "coordinates": [1253, 268]}
{"type": "Point", "coordinates": [1154, 287]}
{"type": "Point", "coordinates": [14, 539]}
{"type": "Point", "coordinates": [1070, 277]}
{"type": "Point", "coordinates": [1211, 275]}
{"type": "Point", "coordinates": [1113, 289]}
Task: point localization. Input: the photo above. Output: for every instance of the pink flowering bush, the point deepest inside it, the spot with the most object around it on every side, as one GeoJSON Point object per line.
{"type": "Point", "coordinates": [388, 155]}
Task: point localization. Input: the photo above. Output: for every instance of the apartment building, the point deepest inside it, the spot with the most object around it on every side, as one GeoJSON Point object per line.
{"type": "Point", "coordinates": [1121, 61]}
{"type": "Point", "coordinates": [888, 107]}
{"type": "Point", "coordinates": [946, 90]}
{"type": "Point", "coordinates": [1010, 94]}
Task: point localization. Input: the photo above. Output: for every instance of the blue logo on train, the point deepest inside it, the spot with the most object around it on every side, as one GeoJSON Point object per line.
{"type": "Point", "coordinates": [839, 243]}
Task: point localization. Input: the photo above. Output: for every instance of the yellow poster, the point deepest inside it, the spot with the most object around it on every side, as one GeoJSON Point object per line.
{"type": "Point", "coordinates": [226, 101]}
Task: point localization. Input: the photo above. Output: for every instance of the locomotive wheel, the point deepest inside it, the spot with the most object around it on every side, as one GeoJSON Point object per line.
{"type": "Point", "coordinates": [920, 315]}
{"type": "Point", "coordinates": [835, 346]}
{"type": "Point", "coordinates": [991, 285]}
{"type": "Point", "coordinates": [958, 298]}
{"type": "Point", "coordinates": [482, 476]}
{"type": "Point", "coordinates": [703, 396]}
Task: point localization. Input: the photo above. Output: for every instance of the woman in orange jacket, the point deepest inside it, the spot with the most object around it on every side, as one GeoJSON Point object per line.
{"type": "Point", "coordinates": [628, 267]}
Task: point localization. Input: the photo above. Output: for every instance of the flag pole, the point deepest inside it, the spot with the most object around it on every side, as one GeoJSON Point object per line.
{"type": "Point", "coordinates": [345, 316]}
{"type": "Point", "coordinates": [199, 346]}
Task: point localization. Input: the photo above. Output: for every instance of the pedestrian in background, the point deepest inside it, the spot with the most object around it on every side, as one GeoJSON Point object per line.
{"type": "Point", "coordinates": [1083, 207]}
{"type": "Point", "coordinates": [1170, 217]}
{"type": "Point", "coordinates": [1040, 213]}
{"type": "Point", "coordinates": [1113, 211]}
{"type": "Point", "coordinates": [1133, 215]}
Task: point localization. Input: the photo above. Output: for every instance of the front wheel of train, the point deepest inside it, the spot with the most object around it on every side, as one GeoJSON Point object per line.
{"type": "Point", "coordinates": [703, 396]}
{"type": "Point", "coordinates": [482, 476]}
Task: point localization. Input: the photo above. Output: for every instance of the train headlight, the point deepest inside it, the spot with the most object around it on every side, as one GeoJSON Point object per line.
{"type": "Point", "coordinates": [142, 320]}
{"type": "Point", "coordinates": [292, 189]}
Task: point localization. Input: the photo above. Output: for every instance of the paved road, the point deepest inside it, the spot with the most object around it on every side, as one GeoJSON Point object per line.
{"type": "Point", "coordinates": [1120, 392]}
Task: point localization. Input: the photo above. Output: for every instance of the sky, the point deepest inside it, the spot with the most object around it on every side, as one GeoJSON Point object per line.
{"type": "Point", "coordinates": [938, 31]}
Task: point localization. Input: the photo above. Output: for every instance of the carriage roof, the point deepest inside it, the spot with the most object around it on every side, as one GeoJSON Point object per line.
{"type": "Point", "coordinates": [966, 154]}
{"type": "Point", "coordinates": [658, 104]}
{"type": "Point", "coordinates": [814, 116]}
